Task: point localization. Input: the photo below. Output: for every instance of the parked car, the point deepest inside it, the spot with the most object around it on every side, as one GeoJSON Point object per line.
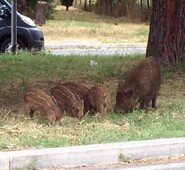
{"type": "Point", "coordinates": [28, 35]}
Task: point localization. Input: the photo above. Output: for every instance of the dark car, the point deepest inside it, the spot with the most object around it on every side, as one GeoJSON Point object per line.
{"type": "Point", "coordinates": [28, 35]}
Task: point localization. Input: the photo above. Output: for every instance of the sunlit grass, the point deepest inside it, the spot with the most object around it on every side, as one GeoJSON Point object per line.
{"type": "Point", "coordinates": [80, 25]}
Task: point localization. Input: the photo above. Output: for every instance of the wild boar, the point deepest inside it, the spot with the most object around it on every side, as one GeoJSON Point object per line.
{"type": "Point", "coordinates": [68, 101]}
{"type": "Point", "coordinates": [97, 99]}
{"type": "Point", "coordinates": [141, 84]}
{"type": "Point", "coordinates": [36, 100]}
{"type": "Point", "coordinates": [77, 88]}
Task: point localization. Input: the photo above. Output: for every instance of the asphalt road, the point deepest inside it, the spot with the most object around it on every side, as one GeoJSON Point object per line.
{"type": "Point", "coordinates": [98, 49]}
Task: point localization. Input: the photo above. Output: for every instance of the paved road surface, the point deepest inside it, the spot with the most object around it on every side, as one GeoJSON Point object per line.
{"type": "Point", "coordinates": [96, 49]}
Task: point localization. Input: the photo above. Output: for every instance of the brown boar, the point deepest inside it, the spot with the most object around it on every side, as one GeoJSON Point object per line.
{"type": "Point", "coordinates": [68, 101]}
{"type": "Point", "coordinates": [37, 100]}
{"type": "Point", "coordinates": [96, 99]}
{"type": "Point", "coordinates": [141, 84]}
{"type": "Point", "coordinates": [77, 88]}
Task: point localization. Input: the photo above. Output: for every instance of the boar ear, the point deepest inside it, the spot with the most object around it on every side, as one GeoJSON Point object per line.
{"type": "Point", "coordinates": [104, 95]}
{"type": "Point", "coordinates": [129, 93]}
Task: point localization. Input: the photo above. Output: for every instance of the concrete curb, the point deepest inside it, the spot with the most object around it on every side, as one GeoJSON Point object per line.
{"type": "Point", "coordinates": [92, 154]}
{"type": "Point", "coordinates": [58, 45]}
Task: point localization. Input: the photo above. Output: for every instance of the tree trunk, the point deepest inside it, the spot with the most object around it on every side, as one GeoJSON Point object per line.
{"type": "Point", "coordinates": [166, 39]}
{"type": "Point", "coordinates": [141, 7]}
{"type": "Point", "coordinates": [123, 9]}
{"type": "Point", "coordinates": [90, 5]}
{"type": "Point", "coordinates": [42, 9]}
{"type": "Point", "coordinates": [108, 5]}
{"type": "Point", "coordinates": [148, 4]}
{"type": "Point", "coordinates": [85, 5]}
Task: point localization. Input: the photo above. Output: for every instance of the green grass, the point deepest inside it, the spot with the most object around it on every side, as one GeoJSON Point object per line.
{"type": "Point", "coordinates": [18, 131]}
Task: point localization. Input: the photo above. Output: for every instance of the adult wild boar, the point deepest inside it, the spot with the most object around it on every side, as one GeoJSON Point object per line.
{"type": "Point", "coordinates": [36, 100]}
{"type": "Point", "coordinates": [142, 83]}
{"type": "Point", "coordinates": [68, 101]}
{"type": "Point", "coordinates": [96, 99]}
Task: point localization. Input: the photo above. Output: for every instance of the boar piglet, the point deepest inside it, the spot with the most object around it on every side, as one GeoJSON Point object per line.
{"type": "Point", "coordinates": [68, 101]}
{"type": "Point", "coordinates": [36, 100]}
{"type": "Point", "coordinates": [96, 99]}
{"type": "Point", "coordinates": [141, 84]}
{"type": "Point", "coordinates": [77, 88]}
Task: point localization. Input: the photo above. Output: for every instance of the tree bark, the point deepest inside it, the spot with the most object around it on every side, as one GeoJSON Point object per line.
{"type": "Point", "coordinates": [85, 5]}
{"type": "Point", "coordinates": [42, 9]}
{"type": "Point", "coordinates": [148, 4]}
{"type": "Point", "coordinates": [90, 5]}
{"type": "Point", "coordinates": [108, 5]}
{"type": "Point", "coordinates": [166, 39]}
{"type": "Point", "coordinates": [141, 7]}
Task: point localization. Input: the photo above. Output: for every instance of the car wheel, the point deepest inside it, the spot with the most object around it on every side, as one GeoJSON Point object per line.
{"type": "Point", "coordinates": [6, 45]}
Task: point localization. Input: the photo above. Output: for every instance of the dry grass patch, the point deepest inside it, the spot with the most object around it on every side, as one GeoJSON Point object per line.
{"type": "Point", "coordinates": [75, 26]}
{"type": "Point", "coordinates": [18, 131]}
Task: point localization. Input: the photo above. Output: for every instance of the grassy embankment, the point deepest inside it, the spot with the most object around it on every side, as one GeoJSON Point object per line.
{"type": "Point", "coordinates": [19, 131]}
{"type": "Point", "coordinates": [18, 72]}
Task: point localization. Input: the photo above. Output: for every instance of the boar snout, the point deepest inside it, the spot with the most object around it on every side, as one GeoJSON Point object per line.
{"type": "Point", "coordinates": [125, 101]}
{"type": "Point", "coordinates": [122, 111]}
{"type": "Point", "coordinates": [77, 112]}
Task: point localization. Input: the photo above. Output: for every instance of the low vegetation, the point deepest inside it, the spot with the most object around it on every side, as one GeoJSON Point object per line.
{"type": "Point", "coordinates": [18, 131]}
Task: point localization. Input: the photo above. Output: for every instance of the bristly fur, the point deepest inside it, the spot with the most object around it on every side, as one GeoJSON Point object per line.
{"type": "Point", "coordinates": [37, 100]}
{"type": "Point", "coordinates": [68, 101]}
{"type": "Point", "coordinates": [97, 99]}
{"type": "Point", "coordinates": [77, 88]}
{"type": "Point", "coordinates": [142, 83]}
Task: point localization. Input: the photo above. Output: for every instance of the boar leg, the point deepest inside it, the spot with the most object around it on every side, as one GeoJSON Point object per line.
{"type": "Point", "coordinates": [142, 104]}
{"type": "Point", "coordinates": [31, 113]}
{"type": "Point", "coordinates": [86, 106]}
{"type": "Point", "coordinates": [154, 101]}
{"type": "Point", "coordinates": [28, 109]}
{"type": "Point", "coordinates": [147, 104]}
